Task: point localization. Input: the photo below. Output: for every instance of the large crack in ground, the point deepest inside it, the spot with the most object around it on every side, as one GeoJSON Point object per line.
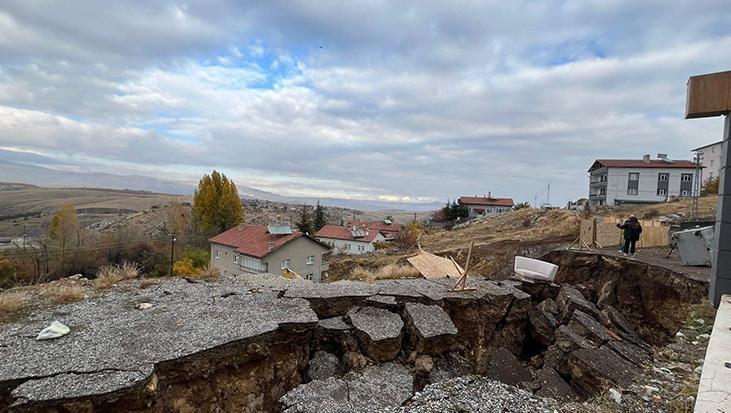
{"type": "Point", "coordinates": [246, 351]}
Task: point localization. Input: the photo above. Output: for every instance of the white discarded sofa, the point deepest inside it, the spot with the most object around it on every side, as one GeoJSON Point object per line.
{"type": "Point", "coordinates": [529, 269]}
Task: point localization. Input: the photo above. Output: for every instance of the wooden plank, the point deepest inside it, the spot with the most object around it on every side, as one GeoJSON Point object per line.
{"type": "Point", "coordinates": [434, 266]}
{"type": "Point", "coordinates": [708, 95]}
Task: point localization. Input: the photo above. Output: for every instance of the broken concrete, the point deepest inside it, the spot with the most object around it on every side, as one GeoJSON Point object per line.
{"type": "Point", "coordinates": [379, 331]}
{"type": "Point", "coordinates": [543, 321]}
{"type": "Point", "coordinates": [433, 332]}
{"type": "Point", "coordinates": [323, 365]}
{"type": "Point", "coordinates": [374, 388]}
{"type": "Point", "coordinates": [503, 366]}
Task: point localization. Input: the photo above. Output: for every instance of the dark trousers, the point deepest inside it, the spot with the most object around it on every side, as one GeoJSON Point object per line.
{"type": "Point", "coordinates": [629, 246]}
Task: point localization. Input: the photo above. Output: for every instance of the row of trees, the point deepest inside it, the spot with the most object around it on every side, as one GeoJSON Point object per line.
{"type": "Point", "coordinates": [309, 221]}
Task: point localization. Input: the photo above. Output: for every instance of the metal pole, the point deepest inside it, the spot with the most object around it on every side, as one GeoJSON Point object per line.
{"type": "Point", "coordinates": [172, 253]}
{"type": "Point", "coordinates": [721, 268]}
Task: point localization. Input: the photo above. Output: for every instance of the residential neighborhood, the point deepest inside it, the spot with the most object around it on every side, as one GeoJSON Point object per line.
{"type": "Point", "coordinates": [272, 249]}
{"type": "Point", "coordinates": [613, 182]}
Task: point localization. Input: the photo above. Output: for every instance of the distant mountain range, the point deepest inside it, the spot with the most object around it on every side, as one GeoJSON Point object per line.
{"type": "Point", "coordinates": [29, 168]}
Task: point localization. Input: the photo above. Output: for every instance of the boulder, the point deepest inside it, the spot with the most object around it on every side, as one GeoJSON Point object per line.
{"type": "Point", "coordinates": [592, 369]}
{"type": "Point", "coordinates": [568, 340]}
{"type": "Point", "coordinates": [615, 320]}
{"type": "Point", "coordinates": [431, 328]}
{"type": "Point", "coordinates": [570, 299]}
{"type": "Point", "coordinates": [323, 365]}
{"type": "Point", "coordinates": [630, 352]}
{"type": "Point", "coordinates": [379, 331]}
{"type": "Point", "coordinates": [503, 366]}
{"type": "Point", "coordinates": [424, 364]}
{"type": "Point", "coordinates": [543, 321]}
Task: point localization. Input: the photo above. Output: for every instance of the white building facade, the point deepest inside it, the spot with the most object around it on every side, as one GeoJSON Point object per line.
{"type": "Point", "coordinates": [350, 241]}
{"type": "Point", "coordinates": [613, 182]}
{"type": "Point", "coordinates": [710, 156]}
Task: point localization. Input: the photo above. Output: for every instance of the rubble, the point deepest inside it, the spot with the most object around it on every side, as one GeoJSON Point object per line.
{"type": "Point", "coordinates": [378, 330]}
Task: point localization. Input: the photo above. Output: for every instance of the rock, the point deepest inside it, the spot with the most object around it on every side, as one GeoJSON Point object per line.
{"type": "Point", "coordinates": [55, 330]}
{"type": "Point", "coordinates": [630, 352]}
{"type": "Point", "coordinates": [424, 364]}
{"type": "Point", "coordinates": [568, 340]}
{"type": "Point", "coordinates": [353, 360]}
{"type": "Point", "coordinates": [504, 367]}
{"type": "Point", "coordinates": [432, 329]}
{"type": "Point", "coordinates": [375, 388]}
{"type": "Point", "coordinates": [145, 306]}
{"type": "Point", "coordinates": [323, 365]}
{"type": "Point", "coordinates": [665, 373]}
{"type": "Point", "coordinates": [593, 368]}
{"type": "Point", "coordinates": [651, 389]}
{"type": "Point", "coordinates": [588, 328]}
{"type": "Point", "coordinates": [607, 294]}
{"type": "Point", "coordinates": [448, 367]}
{"type": "Point", "coordinates": [615, 395]}
{"type": "Point", "coordinates": [570, 299]}
{"type": "Point", "coordinates": [550, 384]}
{"type": "Point", "coordinates": [614, 320]}
{"type": "Point", "coordinates": [543, 321]}
{"type": "Point", "coordinates": [379, 331]}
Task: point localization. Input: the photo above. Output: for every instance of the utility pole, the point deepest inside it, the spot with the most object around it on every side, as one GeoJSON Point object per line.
{"type": "Point", "coordinates": [172, 253]}
{"type": "Point", "coordinates": [698, 178]}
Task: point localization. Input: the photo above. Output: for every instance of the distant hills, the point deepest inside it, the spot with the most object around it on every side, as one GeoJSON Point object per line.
{"type": "Point", "coordinates": [29, 168]}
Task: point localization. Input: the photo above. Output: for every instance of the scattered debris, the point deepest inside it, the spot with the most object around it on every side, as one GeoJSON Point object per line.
{"type": "Point", "coordinates": [145, 306]}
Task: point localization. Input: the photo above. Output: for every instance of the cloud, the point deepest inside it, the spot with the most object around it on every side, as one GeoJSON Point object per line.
{"type": "Point", "coordinates": [408, 100]}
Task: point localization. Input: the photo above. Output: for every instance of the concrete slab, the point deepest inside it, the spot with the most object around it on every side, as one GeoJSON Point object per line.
{"type": "Point", "coordinates": [714, 391]}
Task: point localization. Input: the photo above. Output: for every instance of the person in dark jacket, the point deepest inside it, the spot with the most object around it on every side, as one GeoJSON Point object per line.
{"type": "Point", "coordinates": [632, 230]}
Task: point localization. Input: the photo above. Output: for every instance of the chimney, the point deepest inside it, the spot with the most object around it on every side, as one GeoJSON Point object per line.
{"type": "Point", "coordinates": [489, 195]}
{"type": "Point", "coordinates": [646, 158]}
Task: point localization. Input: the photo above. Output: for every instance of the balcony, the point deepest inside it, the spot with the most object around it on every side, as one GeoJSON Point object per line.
{"type": "Point", "coordinates": [597, 196]}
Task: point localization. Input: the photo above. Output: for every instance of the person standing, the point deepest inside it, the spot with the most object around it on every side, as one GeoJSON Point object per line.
{"type": "Point", "coordinates": [632, 230]}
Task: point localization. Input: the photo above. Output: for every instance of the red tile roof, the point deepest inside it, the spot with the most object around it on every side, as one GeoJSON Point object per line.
{"type": "Point", "coordinates": [338, 232]}
{"type": "Point", "coordinates": [483, 200]}
{"type": "Point", "coordinates": [640, 163]}
{"type": "Point", "coordinates": [255, 240]}
{"type": "Point", "coordinates": [377, 226]}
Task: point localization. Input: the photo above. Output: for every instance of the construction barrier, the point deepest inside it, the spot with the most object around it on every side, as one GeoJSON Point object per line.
{"type": "Point", "coordinates": [603, 232]}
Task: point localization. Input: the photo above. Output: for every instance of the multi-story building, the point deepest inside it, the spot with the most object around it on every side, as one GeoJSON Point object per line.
{"type": "Point", "coordinates": [710, 156]}
{"type": "Point", "coordinates": [614, 182]}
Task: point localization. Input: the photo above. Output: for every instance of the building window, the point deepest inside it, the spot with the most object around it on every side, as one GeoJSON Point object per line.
{"type": "Point", "coordinates": [310, 260]}
{"type": "Point", "coordinates": [236, 258]}
{"type": "Point", "coordinates": [661, 191]}
{"type": "Point", "coordinates": [711, 163]}
{"type": "Point", "coordinates": [634, 176]}
{"type": "Point", "coordinates": [309, 276]}
{"type": "Point", "coordinates": [218, 254]}
{"type": "Point", "coordinates": [632, 191]}
{"type": "Point", "coordinates": [602, 191]}
{"type": "Point", "coordinates": [603, 178]}
{"type": "Point", "coordinates": [285, 264]}
{"type": "Point", "coordinates": [685, 192]}
{"type": "Point", "coordinates": [662, 177]}
{"type": "Point", "coordinates": [686, 177]}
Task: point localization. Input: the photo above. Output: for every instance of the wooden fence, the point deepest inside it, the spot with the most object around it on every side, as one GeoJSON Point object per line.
{"type": "Point", "coordinates": [604, 232]}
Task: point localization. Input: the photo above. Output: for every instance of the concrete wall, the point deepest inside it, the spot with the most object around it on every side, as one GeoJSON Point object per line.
{"type": "Point", "coordinates": [347, 247]}
{"type": "Point", "coordinates": [297, 252]}
{"type": "Point", "coordinates": [222, 258]}
{"type": "Point", "coordinates": [617, 185]}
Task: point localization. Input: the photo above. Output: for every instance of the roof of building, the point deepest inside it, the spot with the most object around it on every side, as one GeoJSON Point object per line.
{"type": "Point", "coordinates": [256, 241]}
{"type": "Point", "coordinates": [706, 146]}
{"type": "Point", "coordinates": [377, 226]}
{"type": "Point", "coordinates": [483, 200]}
{"type": "Point", "coordinates": [641, 163]}
{"type": "Point", "coordinates": [346, 233]}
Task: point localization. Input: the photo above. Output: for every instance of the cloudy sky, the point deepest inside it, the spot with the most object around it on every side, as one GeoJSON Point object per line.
{"type": "Point", "coordinates": [402, 100]}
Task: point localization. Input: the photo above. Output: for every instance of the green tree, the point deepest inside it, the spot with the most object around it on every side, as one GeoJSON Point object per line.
{"type": "Point", "coordinates": [319, 220]}
{"type": "Point", "coordinates": [216, 204]}
{"type": "Point", "coordinates": [64, 227]}
{"type": "Point", "coordinates": [304, 224]}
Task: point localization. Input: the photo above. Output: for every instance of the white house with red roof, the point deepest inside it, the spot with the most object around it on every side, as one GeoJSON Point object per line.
{"type": "Point", "coordinates": [486, 205]}
{"type": "Point", "coordinates": [268, 249]}
{"type": "Point", "coordinates": [615, 182]}
{"type": "Point", "coordinates": [352, 240]}
{"type": "Point", "coordinates": [389, 229]}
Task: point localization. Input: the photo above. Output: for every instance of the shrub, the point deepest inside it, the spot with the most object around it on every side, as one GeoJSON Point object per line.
{"type": "Point", "coordinates": [409, 236]}
{"type": "Point", "coordinates": [61, 294]}
{"type": "Point", "coordinates": [109, 275]}
{"type": "Point", "coordinates": [208, 272]}
{"type": "Point", "coordinates": [184, 268]}
{"type": "Point", "coordinates": [199, 257]}
{"type": "Point", "coordinates": [8, 272]}
{"type": "Point", "coordinates": [710, 187]}
{"type": "Point", "coordinates": [12, 303]}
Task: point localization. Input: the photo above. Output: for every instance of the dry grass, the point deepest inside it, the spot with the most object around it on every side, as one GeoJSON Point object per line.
{"type": "Point", "coordinates": [12, 303]}
{"type": "Point", "coordinates": [110, 275]}
{"type": "Point", "coordinates": [148, 282]}
{"type": "Point", "coordinates": [208, 272]}
{"type": "Point", "coordinates": [706, 208]}
{"type": "Point", "coordinates": [61, 294]}
{"type": "Point", "coordinates": [388, 271]}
